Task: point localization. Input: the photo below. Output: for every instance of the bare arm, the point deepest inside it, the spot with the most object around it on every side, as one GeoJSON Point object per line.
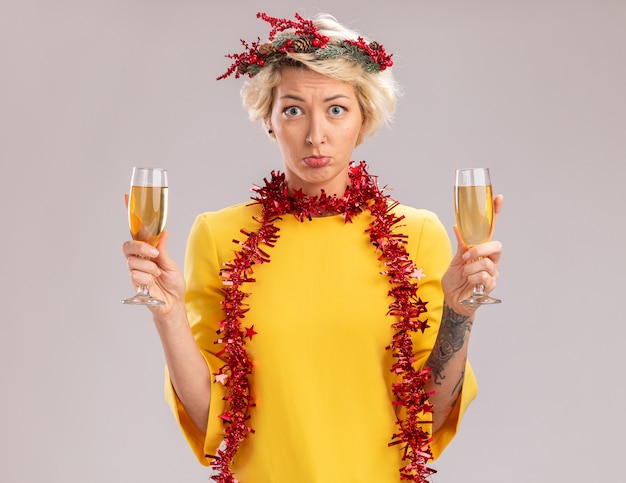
{"type": "Point", "coordinates": [448, 358]}
{"type": "Point", "coordinates": [187, 368]}
{"type": "Point", "coordinates": [447, 363]}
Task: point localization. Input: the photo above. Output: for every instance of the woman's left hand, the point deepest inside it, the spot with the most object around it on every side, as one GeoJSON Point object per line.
{"type": "Point", "coordinates": [476, 265]}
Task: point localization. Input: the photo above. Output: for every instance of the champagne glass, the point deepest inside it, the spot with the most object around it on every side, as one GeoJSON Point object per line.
{"type": "Point", "coordinates": [473, 210]}
{"type": "Point", "coordinates": [147, 213]}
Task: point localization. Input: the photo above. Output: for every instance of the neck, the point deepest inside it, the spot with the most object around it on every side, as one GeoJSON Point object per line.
{"type": "Point", "coordinates": [330, 187]}
{"type": "Point", "coordinates": [278, 199]}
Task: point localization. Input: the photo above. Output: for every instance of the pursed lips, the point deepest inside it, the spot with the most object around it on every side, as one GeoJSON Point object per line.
{"type": "Point", "coordinates": [316, 161]}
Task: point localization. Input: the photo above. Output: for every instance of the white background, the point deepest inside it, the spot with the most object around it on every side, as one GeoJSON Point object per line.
{"type": "Point", "coordinates": [534, 89]}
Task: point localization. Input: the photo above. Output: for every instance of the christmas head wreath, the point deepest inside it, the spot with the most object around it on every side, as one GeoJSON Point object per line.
{"type": "Point", "coordinates": [302, 36]}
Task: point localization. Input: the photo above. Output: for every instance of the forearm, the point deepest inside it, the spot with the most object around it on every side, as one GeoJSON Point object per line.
{"type": "Point", "coordinates": [188, 371]}
{"type": "Point", "coordinates": [447, 363]}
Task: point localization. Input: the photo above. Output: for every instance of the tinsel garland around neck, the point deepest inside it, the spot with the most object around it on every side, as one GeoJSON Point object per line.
{"type": "Point", "coordinates": [406, 308]}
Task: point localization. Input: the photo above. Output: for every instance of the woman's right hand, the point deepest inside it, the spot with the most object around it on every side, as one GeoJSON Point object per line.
{"type": "Point", "coordinates": [153, 267]}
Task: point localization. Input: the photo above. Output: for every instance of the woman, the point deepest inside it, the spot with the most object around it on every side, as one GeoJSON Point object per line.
{"type": "Point", "coordinates": [344, 359]}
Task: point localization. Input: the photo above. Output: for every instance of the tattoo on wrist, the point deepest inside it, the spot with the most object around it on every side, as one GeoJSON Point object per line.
{"type": "Point", "coordinates": [453, 332]}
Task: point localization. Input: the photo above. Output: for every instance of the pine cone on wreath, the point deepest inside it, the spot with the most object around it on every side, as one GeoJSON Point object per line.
{"type": "Point", "coordinates": [302, 44]}
{"type": "Point", "coordinates": [267, 49]}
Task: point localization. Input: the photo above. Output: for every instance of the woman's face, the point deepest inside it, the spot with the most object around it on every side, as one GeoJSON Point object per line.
{"type": "Point", "coordinates": [317, 122]}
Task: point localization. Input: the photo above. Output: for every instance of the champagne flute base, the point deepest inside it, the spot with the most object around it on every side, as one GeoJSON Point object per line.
{"type": "Point", "coordinates": [142, 300]}
{"type": "Point", "coordinates": [480, 300]}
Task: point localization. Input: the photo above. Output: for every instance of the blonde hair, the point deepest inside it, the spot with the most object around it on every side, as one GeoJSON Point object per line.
{"type": "Point", "coordinates": [377, 92]}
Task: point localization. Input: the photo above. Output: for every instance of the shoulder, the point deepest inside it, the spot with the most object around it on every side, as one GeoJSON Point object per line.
{"type": "Point", "coordinates": [226, 222]}
{"type": "Point", "coordinates": [234, 212]}
{"type": "Point", "coordinates": [426, 233]}
{"type": "Point", "coordinates": [418, 218]}
{"type": "Point", "coordinates": [238, 215]}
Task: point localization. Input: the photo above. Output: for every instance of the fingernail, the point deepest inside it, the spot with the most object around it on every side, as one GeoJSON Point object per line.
{"type": "Point", "coordinates": [154, 252]}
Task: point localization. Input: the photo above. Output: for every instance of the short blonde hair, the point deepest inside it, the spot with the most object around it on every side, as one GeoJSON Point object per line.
{"type": "Point", "coordinates": [377, 92]}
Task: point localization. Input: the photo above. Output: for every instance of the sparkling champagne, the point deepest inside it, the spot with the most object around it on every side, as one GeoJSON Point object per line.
{"type": "Point", "coordinates": [147, 212]}
{"type": "Point", "coordinates": [473, 209]}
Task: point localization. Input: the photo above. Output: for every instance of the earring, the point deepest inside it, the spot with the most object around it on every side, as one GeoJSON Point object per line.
{"type": "Point", "coordinates": [269, 131]}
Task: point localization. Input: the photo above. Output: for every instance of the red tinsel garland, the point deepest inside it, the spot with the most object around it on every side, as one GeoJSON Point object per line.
{"type": "Point", "coordinates": [407, 307]}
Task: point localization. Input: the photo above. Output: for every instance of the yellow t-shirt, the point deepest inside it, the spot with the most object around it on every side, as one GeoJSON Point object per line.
{"type": "Point", "coordinates": [321, 379]}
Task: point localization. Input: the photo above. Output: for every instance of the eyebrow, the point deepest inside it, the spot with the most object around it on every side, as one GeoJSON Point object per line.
{"type": "Point", "coordinates": [328, 99]}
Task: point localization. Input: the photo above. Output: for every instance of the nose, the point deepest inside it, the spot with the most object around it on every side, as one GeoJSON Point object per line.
{"type": "Point", "coordinates": [317, 132]}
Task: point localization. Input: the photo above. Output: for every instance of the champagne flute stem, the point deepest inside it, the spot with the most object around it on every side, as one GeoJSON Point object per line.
{"type": "Point", "coordinates": [479, 289]}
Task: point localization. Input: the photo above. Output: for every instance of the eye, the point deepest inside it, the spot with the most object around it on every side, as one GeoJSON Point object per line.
{"type": "Point", "coordinates": [292, 111]}
{"type": "Point", "coordinates": [336, 110]}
